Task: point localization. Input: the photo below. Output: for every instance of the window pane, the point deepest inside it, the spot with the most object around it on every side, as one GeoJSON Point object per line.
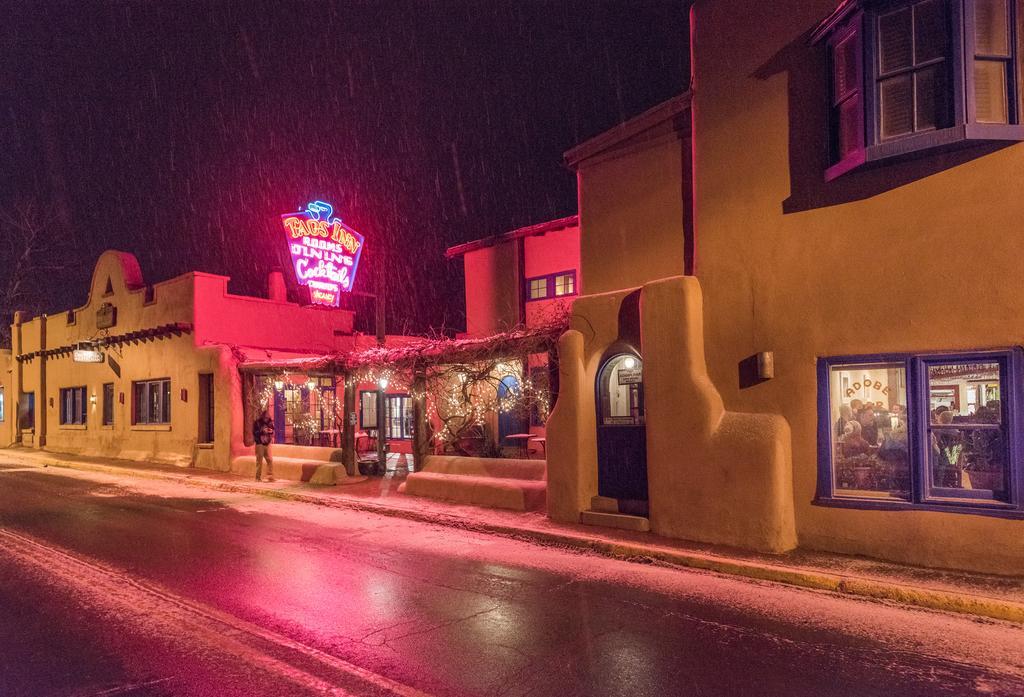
{"type": "Point", "coordinates": [108, 404]}
{"type": "Point", "coordinates": [138, 403]}
{"type": "Point", "coordinates": [931, 31]}
{"type": "Point", "coordinates": [564, 284]}
{"type": "Point", "coordinates": [622, 391]}
{"type": "Point", "coordinates": [933, 98]}
{"type": "Point", "coordinates": [845, 60]}
{"type": "Point", "coordinates": [965, 392]}
{"type": "Point", "coordinates": [968, 454]}
{"type": "Point", "coordinates": [894, 41]}
{"type": "Point", "coordinates": [990, 91]}
{"type": "Point", "coordinates": [969, 463]}
{"type": "Point", "coordinates": [538, 288]}
{"type": "Point", "coordinates": [991, 28]}
{"type": "Point", "coordinates": [155, 415]}
{"type": "Point", "coordinates": [408, 417]}
{"type": "Point", "coordinates": [869, 434]}
{"type": "Point", "coordinates": [897, 106]}
{"type": "Point", "coordinates": [848, 132]}
{"type": "Point", "coordinates": [369, 409]}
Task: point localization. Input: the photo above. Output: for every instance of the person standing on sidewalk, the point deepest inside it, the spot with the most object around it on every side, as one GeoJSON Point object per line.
{"type": "Point", "coordinates": [262, 435]}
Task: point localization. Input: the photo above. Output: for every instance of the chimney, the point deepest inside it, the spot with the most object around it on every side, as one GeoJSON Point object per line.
{"type": "Point", "coordinates": [275, 286]}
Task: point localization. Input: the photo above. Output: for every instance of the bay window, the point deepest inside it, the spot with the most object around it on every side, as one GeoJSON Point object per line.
{"type": "Point", "coordinates": [915, 75]}
{"type": "Point", "coordinates": [921, 431]}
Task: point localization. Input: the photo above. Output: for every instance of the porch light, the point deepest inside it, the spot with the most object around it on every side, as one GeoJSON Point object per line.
{"type": "Point", "coordinates": [383, 382]}
{"type": "Point", "coordinates": [92, 399]}
{"type": "Point", "coordinates": [311, 384]}
{"type": "Point", "coordinates": [630, 363]}
{"type": "Point", "coordinates": [278, 385]}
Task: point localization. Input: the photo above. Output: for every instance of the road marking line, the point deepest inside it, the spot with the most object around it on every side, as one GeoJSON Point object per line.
{"type": "Point", "coordinates": [91, 575]}
{"type": "Point", "coordinates": [130, 687]}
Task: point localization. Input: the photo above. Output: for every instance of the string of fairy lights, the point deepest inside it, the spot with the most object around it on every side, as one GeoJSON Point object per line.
{"type": "Point", "coordinates": [461, 399]}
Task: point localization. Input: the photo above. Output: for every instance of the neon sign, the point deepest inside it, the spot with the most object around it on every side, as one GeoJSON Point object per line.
{"type": "Point", "coordinates": [325, 252]}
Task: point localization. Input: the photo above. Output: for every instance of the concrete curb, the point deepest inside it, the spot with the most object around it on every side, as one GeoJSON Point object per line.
{"type": "Point", "coordinates": [868, 588]}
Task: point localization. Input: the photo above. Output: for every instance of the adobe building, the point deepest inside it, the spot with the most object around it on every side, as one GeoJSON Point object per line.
{"type": "Point", "coordinates": [796, 325]}
{"type": "Point", "coordinates": [525, 278]}
{"type": "Point", "coordinates": [155, 372]}
{"type": "Point", "coordinates": [520, 278]}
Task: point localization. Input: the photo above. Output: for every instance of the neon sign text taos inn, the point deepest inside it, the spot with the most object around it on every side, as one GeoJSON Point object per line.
{"type": "Point", "coordinates": [325, 252]}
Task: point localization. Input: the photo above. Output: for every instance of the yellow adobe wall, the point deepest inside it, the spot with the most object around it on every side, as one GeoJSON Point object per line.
{"type": "Point", "coordinates": [713, 476]}
{"type": "Point", "coordinates": [785, 266]}
{"type": "Point", "coordinates": [631, 215]}
{"type": "Point", "coordinates": [175, 357]}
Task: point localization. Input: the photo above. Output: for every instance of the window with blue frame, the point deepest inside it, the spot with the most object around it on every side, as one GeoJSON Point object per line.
{"type": "Point", "coordinates": [915, 75]}
{"type": "Point", "coordinates": [555, 285]}
{"type": "Point", "coordinates": [928, 430]}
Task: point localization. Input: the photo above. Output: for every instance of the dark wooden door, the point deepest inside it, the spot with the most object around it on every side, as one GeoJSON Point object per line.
{"type": "Point", "coordinates": [621, 433]}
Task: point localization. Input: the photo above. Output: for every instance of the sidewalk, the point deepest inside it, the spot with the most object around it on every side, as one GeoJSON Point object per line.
{"type": "Point", "coordinates": [982, 595]}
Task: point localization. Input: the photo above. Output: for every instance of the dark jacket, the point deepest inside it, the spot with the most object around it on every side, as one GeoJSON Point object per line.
{"type": "Point", "coordinates": [263, 430]}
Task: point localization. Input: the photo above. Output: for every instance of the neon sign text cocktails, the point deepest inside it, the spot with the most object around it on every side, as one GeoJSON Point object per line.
{"type": "Point", "coordinates": [325, 252]}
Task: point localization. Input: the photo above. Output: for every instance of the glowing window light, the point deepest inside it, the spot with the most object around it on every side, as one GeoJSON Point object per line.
{"type": "Point", "coordinates": [325, 252]}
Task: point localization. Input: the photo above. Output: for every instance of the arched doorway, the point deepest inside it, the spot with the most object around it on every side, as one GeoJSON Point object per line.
{"type": "Point", "coordinates": [621, 433]}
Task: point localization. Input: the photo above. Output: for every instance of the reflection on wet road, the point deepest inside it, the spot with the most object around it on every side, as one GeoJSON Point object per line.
{"type": "Point", "coordinates": [139, 587]}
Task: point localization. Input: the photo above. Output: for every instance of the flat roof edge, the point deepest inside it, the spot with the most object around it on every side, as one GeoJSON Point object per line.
{"type": "Point", "coordinates": [626, 130]}
{"type": "Point", "coordinates": [528, 231]}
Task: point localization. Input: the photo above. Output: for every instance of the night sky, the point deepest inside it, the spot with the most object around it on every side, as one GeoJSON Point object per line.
{"type": "Point", "coordinates": [181, 130]}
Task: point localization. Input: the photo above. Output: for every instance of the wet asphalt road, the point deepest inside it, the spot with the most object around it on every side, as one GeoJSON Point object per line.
{"type": "Point", "coordinates": [130, 587]}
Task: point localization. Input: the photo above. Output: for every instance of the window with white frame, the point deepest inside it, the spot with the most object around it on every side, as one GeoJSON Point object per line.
{"type": "Point", "coordinates": [399, 416]}
{"type": "Point", "coordinates": [368, 409]}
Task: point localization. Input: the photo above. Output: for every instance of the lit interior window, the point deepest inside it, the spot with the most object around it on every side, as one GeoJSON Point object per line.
{"type": "Point", "coordinates": [565, 284]}
{"type": "Point", "coordinates": [538, 288]}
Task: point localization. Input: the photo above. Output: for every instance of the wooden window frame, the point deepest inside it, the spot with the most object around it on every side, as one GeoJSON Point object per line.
{"type": "Point", "coordinates": [107, 416]}
{"type": "Point", "coordinates": [74, 406]}
{"type": "Point", "coordinates": [964, 129]}
{"type": "Point", "coordinates": [137, 402]}
{"type": "Point", "coordinates": [549, 284]}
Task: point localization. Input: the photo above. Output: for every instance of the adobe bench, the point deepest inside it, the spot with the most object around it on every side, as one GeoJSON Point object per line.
{"type": "Point", "coordinates": [518, 485]}
{"type": "Point", "coordinates": [300, 463]}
